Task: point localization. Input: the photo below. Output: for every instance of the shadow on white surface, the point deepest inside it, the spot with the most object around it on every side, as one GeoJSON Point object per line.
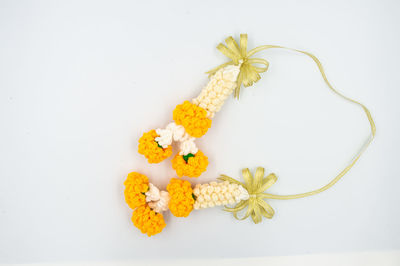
{"type": "Point", "coordinates": [387, 258]}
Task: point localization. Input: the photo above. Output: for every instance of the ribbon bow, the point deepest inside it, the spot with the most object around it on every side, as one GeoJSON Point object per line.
{"type": "Point", "coordinates": [256, 206]}
{"type": "Point", "coordinates": [238, 54]}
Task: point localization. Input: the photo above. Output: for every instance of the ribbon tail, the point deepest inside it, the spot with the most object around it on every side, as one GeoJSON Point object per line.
{"type": "Point", "coordinates": [260, 48]}
{"type": "Point", "coordinates": [233, 47]}
{"type": "Point", "coordinates": [228, 53]}
{"type": "Point", "coordinates": [267, 183]}
{"type": "Point", "coordinates": [238, 207]}
{"type": "Point", "coordinates": [243, 45]}
{"type": "Point", "coordinates": [256, 214]}
{"type": "Point", "coordinates": [258, 178]}
{"type": "Point", "coordinates": [248, 212]}
{"type": "Point", "coordinates": [251, 76]}
{"type": "Point", "coordinates": [266, 209]}
{"type": "Point", "coordinates": [248, 179]}
{"type": "Point", "coordinates": [238, 84]}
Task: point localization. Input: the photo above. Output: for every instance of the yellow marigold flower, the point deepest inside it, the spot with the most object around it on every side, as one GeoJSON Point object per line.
{"type": "Point", "coordinates": [192, 167]}
{"type": "Point", "coordinates": [150, 148]}
{"type": "Point", "coordinates": [193, 118]}
{"type": "Point", "coordinates": [148, 221]}
{"type": "Point", "coordinates": [135, 186]}
{"type": "Point", "coordinates": [181, 197]}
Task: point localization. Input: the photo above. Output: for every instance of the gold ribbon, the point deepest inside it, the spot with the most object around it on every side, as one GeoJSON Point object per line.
{"type": "Point", "coordinates": [249, 74]}
{"type": "Point", "coordinates": [255, 186]}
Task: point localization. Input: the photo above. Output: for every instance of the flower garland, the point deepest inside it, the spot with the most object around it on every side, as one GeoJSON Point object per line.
{"type": "Point", "coordinates": [192, 120]}
{"type": "Point", "coordinates": [148, 202]}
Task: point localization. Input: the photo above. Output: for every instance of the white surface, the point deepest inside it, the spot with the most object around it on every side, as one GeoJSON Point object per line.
{"type": "Point", "coordinates": [80, 81]}
{"type": "Point", "coordinates": [387, 258]}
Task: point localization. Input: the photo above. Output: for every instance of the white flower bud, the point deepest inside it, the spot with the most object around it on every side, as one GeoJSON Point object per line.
{"type": "Point", "coordinates": [196, 191]}
{"type": "Point", "coordinates": [200, 199]}
{"type": "Point", "coordinates": [217, 194]}
{"type": "Point", "coordinates": [214, 197]}
{"type": "Point", "coordinates": [221, 196]}
{"type": "Point", "coordinates": [224, 189]}
{"type": "Point", "coordinates": [221, 84]}
{"type": "Point", "coordinates": [207, 197]}
{"type": "Point", "coordinates": [157, 200]}
{"type": "Point", "coordinates": [153, 194]}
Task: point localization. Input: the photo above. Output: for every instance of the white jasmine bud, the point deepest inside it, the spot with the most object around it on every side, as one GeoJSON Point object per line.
{"type": "Point", "coordinates": [221, 84]}
{"type": "Point", "coordinates": [217, 194]}
{"type": "Point", "coordinates": [196, 191]}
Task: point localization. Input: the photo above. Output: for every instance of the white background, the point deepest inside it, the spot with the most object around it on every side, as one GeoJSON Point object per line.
{"type": "Point", "coordinates": [80, 81]}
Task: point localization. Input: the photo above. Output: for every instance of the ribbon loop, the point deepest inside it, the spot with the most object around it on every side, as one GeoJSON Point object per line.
{"type": "Point", "coordinates": [249, 74]}
{"type": "Point", "coordinates": [255, 186]}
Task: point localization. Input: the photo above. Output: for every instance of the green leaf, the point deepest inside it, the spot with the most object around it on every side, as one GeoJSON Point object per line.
{"type": "Point", "coordinates": [187, 156]}
{"type": "Point", "coordinates": [159, 145]}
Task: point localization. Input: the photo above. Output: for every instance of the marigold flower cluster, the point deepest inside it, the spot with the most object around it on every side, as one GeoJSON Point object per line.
{"type": "Point", "coordinates": [143, 217]}
{"type": "Point", "coordinates": [136, 185]}
{"type": "Point", "coordinates": [193, 118]}
{"type": "Point", "coordinates": [150, 148]}
{"type": "Point", "coordinates": [193, 167]}
{"type": "Point", "coordinates": [148, 221]}
{"type": "Point", "coordinates": [181, 197]}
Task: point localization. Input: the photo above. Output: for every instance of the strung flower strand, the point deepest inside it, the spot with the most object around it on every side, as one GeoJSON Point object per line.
{"type": "Point", "coordinates": [192, 120]}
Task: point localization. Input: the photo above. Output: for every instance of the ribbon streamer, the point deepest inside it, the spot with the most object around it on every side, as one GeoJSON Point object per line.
{"type": "Point", "coordinates": [249, 74]}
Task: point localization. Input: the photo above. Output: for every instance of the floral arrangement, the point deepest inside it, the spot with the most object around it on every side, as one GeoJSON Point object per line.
{"type": "Point", "coordinates": [191, 120]}
{"type": "Point", "coordinates": [148, 202]}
